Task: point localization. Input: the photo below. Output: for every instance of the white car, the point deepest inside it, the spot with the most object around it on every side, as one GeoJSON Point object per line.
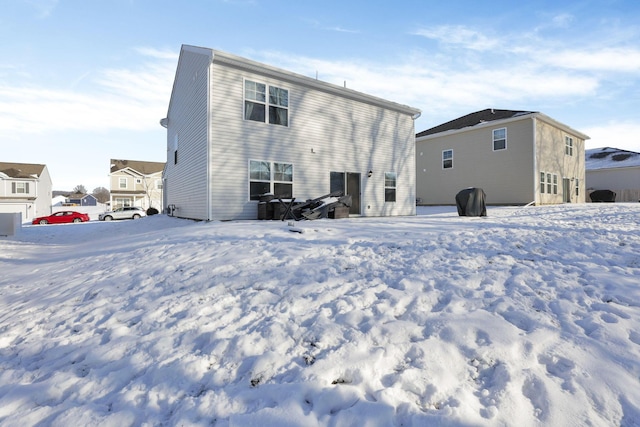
{"type": "Point", "coordinates": [123, 213]}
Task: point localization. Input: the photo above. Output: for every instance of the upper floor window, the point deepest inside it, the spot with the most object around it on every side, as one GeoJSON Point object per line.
{"type": "Point", "coordinates": [568, 146]}
{"type": "Point", "coordinates": [447, 159]}
{"type": "Point", "coordinates": [122, 183]}
{"type": "Point", "coordinates": [158, 184]}
{"type": "Point", "coordinates": [389, 186]}
{"type": "Point", "coordinates": [257, 103]}
{"type": "Point", "coordinates": [20, 187]}
{"type": "Point", "coordinates": [500, 139]}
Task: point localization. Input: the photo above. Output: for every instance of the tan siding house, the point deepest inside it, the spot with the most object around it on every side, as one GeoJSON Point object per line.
{"type": "Point", "coordinates": [25, 188]}
{"type": "Point", "coordinates": [135, 183]}
{"type": "Point", "coordinates": [237, 129]}
{"type": "Point", "coordinates": [516, 157]}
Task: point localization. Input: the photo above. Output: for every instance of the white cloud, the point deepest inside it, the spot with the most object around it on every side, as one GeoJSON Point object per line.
{"type": "Point", "coordinates": [133, 99]}
{"type": "Point", "coordinates": [460, 36]}
{"type": "Point", "coordinates": [621, 60]}
{"type": "Point", "coordinates": [622, 135]}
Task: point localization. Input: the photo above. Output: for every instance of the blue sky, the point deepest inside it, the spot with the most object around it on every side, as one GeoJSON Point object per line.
{"type": "Point", "coordinates": [82, 82]}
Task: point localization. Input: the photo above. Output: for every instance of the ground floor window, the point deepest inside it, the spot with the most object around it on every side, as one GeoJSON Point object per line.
{"type": "Point", "coordinates": [122, 202]}
{"type": "Point", "coordinates": [548, 183]}
{"type": "Point", "coordinates": [389, 186]}
{"type": "Point", "coordinates": [577, 187]}
{"type": "Point", "coordinates": [270, 177]}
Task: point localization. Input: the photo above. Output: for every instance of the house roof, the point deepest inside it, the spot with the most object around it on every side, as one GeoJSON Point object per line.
{"type": "Point", "coordinates": [143, 168]}
{"type": "Point", "coordinates": [609, 158]}
{"type": "Point", "coordinates": [278, 73]}
{"type": "Point", "coordinates": [483, 116]}
{"type": "Point", "coordinates": [21, 170]}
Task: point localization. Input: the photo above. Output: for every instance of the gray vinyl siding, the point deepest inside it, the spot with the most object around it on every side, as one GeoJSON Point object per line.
{"type": "Point", "coordinates": [187, 183]}
{"type": "Point", "coordinates": [325, 133]}
{"type": "Point", "coordinates": [506, 176]}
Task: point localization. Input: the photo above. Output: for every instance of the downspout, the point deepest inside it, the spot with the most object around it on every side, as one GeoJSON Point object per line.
{"type": "Point", "coordinates": [535, 163]}
{"type": "Point", "coordinates": [209, 138]}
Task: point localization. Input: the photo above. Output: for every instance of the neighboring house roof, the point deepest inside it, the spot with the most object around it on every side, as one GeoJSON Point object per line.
{"type": "Point", "coordinates": [609, 158]}
{"type": "Point", "coordinates": [491, 115]}
{"type": "Point", "coordinates": [488, 115]}
{"type": "Point", "coordinates": [143, 168]}
{"type": "Point", "coordinates": [79, 196]}
{"type": "Point", "coordinates": [21, 170]}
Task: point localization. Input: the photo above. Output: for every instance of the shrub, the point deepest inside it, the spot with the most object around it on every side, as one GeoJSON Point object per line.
{"type": "Point", "coordinates": [152, 211]}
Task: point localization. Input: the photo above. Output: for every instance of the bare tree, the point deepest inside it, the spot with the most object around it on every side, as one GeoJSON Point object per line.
{"type": "Point", "coordinates": [80, 189]}
{"type": "Point", "coordinates": [101, 194]}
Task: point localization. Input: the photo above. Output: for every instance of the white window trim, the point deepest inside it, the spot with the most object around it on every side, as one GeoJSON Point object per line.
{"type": "Point", "coordinates": [493, 139]}
{"type": "Point", "coordinates": [126, 183]}
{"type": "Point", "coordinates": [394, 188]}
{"type": "Point", "coordinates": [569, 145]}
{"type": "Point", "coordinates": [442, 159]}
{"type": "Point", "coordinates": [266, 102]}
{"type": "Point", "coordinates": [272, 178]}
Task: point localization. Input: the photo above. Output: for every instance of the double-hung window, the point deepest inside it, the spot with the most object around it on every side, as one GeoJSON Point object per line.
{"type": "Point", "coordinates": [20, 187]}
{"type": "Point", "coordinates": [548, 183]}
{"type": "Point", "coordinates": [270, 177]}
{"type": "Point", "coordinates": [568, 146]}
{"type": "Point", "coordinates": [257, 103]}
{"type": "Point", "coordinates": [500, 139]}
{"type": "Point", "coordinates": [447, 159]}
{"type": "Point", "coordinates": [389, 186]}
{"type": "Point", "coordinates": [122, 183]}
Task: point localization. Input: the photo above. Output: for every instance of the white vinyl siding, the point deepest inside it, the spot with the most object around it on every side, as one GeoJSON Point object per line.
{"type": "Point", "coordinates": [354, 135]}
{"type": "Point", "coordinates": [187, 167]}
{"type": "Point", "coordinates": [316, 143]}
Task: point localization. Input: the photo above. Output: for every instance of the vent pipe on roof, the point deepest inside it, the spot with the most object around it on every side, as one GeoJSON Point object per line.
{"type": "Point", "coordinates": [492, 112]}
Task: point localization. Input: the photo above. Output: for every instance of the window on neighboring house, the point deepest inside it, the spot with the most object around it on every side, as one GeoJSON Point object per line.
{"type": "Point", "coordinates": [549, 183]}
{"type": "Point", "coordinates": [158, 184]}
{"type": "Point", "coordinates": [500, 139]}
{"type": "Point", "coordinates": [568, 146]}
{"type": "Point", "coordinates": [267, 177]}
{"type": "Point", "coordinates": [138, 181]}
{"type": "Point", "coordinates": [122, 183]}
{"type": "Point", "coordinates": [542, 181]}
{"type": "Point", "coordinates": [122, 203]}
{"type": "Point", "coordinates": [577, 187]}
{"type": "Point", "coordinates": [555, 184]}
{"type": "Point", "coordinates": [20, 187]}
{"type": "Point", "coordinates": [447, 159]}
{"type": "Point", "coordinates": [389, 186]}
{"type": "Point", "coordinates": [256, 103]}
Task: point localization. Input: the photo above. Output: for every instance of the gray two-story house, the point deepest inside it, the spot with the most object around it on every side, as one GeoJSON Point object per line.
{"type": "Point", "coordinates": [238, 129]}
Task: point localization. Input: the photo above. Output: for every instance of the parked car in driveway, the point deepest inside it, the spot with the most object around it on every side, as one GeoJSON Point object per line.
{"type": "Point", "coordinates": [129, 212]}
{"type": "Point", "coordinates": [62, 217]}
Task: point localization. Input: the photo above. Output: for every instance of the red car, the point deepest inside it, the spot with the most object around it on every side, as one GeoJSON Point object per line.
{"type": "Point", "coordinates": [61, 218]}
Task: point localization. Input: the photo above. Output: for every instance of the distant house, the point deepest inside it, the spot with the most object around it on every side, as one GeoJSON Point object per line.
{"type": "Point", "coordinates": [616, 170]}
{"type": "Point", "coordinates": [238, 129]}
{"type": "Point", "coordinates": [516, 157]}
{"type": "Point", "coordinates": [136, 183]}
{"type": "Point", "coordinates": [80, 199]}
{"type": "Point", "coordinates": [25, 188]}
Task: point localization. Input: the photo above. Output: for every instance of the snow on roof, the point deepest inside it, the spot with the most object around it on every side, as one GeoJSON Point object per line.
{"type": "Point", "coordinates": [609, 158]}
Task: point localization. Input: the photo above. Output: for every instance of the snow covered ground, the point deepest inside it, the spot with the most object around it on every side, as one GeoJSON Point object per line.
{"type": "Point", "coordinates": [528, 317]}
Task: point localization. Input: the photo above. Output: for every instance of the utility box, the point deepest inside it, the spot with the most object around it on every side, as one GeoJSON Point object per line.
{"type": "Point", "coordinates": [10, 223]}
